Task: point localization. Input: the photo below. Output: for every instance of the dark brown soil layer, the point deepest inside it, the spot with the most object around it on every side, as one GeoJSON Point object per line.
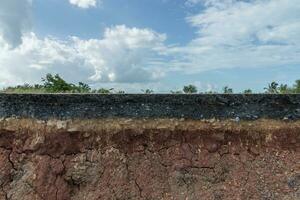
{"type": "Point", "coordinates": [194, 106]}
{"type": "Point", "coordinates": [149, 159]}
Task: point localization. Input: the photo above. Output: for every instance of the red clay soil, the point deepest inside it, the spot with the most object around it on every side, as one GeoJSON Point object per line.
{"type": "Point", "coordinates": [149, 159]}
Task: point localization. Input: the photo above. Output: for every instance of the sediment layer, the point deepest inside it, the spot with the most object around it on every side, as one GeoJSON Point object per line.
{"type": "Point", "coordinates": [149, 158]}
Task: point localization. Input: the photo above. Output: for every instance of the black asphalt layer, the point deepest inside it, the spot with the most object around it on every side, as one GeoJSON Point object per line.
{"type": "Point", "coordinates": [87, 106]}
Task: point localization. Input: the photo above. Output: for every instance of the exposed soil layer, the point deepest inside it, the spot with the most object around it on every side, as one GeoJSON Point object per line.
{"type": "Point", "coordinates": [149, 159]}
{"type": "Point", "coordinates": [95, 106]}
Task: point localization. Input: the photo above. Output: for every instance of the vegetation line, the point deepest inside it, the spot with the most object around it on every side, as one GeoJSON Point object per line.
{"type": "Point", "coordinates": [56, 84]}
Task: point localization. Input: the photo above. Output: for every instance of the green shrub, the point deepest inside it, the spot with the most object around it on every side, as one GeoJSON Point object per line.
{"type": "Point", "coordinates": [190, 89]}
{"type": "Point", "coordinates": [227, 90]}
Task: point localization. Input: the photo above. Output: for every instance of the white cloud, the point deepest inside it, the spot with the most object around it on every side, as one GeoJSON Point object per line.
{"type": "Point", "coordinates": [214, 3]}
{"type": "Point", "coordinates": [84, 3]}
{"type": "Point", "coordinates": [122, 55]}
{"type": "Point", "coordinates": [14, 20]}
{"type": "Point", "coordinates": [34, 57]}
{"type": "Point", "coordinates": [232, 33]}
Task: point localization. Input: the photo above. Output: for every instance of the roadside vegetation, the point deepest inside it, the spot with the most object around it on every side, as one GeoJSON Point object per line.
{"type": "Point", "coordinates": [56, 84]}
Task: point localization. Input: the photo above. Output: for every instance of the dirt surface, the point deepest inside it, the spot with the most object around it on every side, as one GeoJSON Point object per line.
{"type": "Point", "coordinates": [149, 159]}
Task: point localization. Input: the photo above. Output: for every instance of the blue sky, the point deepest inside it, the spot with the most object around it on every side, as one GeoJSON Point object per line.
{"type": "Point", "coordinates": [158, 44]}
{"type": "Point", "coordinates": [51, 17]}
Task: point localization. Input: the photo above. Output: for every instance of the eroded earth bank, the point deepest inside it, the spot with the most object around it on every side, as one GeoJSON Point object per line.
{"type": "Point", "coordinates": [149, 159]}
{"type": "Point", "coordinates": [181, 147]}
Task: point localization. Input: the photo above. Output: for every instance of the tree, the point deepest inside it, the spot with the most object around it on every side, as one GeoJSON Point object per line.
{"type": "Point", "coordinates": [272, 88]}
{"type": "Point", "coordinates": [227, 90]}
{"type": "Point", "coordinates": [190, 89]}
{"type": "Point", "coordinates": [248, 91]}
{"type": "Point", "coordinates": [285, 89]}
{"type": "Point", "coordinates": [83, 88]}
{"type": "Point", "coordinates": [56, 84]}
{"type": "Point", "coordinates": [296, 87]}
{"type": "Point", "coordinates": [275, 88]}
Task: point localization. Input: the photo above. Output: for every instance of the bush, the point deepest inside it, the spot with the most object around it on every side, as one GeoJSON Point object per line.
{"type": "Point", "coordinates": [148, 91]}
{"type": "Point", "coordinates": [227, 90]}
{"type": "Point", "coordinates": [296, 87]}
{"type": "Point", "coordinates": [176, 92]}
{"type": "Point", "coordinates": [190, 89]}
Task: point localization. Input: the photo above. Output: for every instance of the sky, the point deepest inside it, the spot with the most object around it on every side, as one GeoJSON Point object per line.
{"type": "Point", "coordinates": [158, 44]}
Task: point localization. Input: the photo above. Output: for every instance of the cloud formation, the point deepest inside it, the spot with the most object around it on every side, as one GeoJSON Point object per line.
{"type": "Point", "coordinates": [229, 34]}
{"type": "Point", "coordinates": [14, 20]}
{"type": "Point", "coordinates": [123, 55]}
{"type": "Point", "coordinates": [232, 33]}
{"type": "Point", "coordinates": [84, 3]}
